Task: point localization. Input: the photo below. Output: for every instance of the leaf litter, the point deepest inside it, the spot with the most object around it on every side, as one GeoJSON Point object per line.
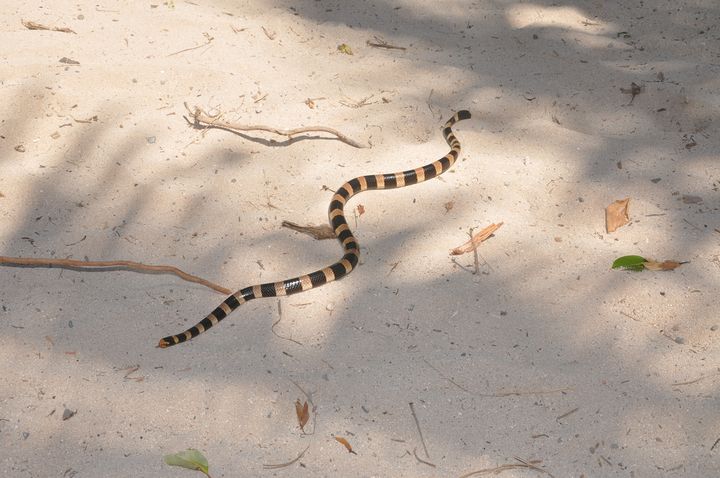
{"type": "Point", "coordinates": [617, 214]}
{"type": "Point", "coordinates": [476, 240]}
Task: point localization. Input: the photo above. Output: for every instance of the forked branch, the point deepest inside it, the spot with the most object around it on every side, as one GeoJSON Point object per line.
{"type": "Point", "coordinates": [202, 119]}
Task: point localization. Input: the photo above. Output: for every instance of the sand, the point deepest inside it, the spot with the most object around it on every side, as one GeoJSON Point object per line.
{"type": "Point", "coordinates": [542, 355]}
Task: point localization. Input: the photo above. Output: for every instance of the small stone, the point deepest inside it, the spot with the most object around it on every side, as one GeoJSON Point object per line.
{"type": "Point", "coordinates": [679, 340]}
{"type": "Point", "coordinates": [67, 414]}
{"type": "Point", "coordinates": [25, 435]}
{"type": "Point", "coordinates": [714, 327]}
{"type": "Point", "coordinates": [151, 139]}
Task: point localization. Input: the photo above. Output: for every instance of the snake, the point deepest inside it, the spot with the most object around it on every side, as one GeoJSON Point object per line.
{"type": "Point", "coordinates": [338, 222]}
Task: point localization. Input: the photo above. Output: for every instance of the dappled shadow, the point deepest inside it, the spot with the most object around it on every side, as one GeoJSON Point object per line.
{"type": "Point", "coordinates": [587, 350]}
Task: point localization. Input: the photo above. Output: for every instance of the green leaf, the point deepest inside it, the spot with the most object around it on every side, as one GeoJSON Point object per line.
{"type": "Point", "coordinates": [191, 459]}
{"type": "Point", "coordinates": [631, 263]}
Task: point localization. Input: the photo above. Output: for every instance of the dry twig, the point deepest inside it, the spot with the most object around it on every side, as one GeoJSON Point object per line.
{"type": "Point", "coordinates": [283, 465]}
{"type": "Point", "coordinates": [203, 119]}
{"type": "Point", "coordinates": [272, 327]}
{"type": "Point", "coordinates": [136, 266]}
{"type": "Point", "coordinates": [380, 43]}
{"type": "Point", "coordinates": [690, 382]}
{"type": "Point", "coordinates": [207, 37]}
{"type": "Point", "coordinates": [317, 232]}
{"type": "Point", "coordinates": [131, 370]}
{"type": "Point", "coordinates": [268, 33]}
{"type": "Point", "coordinates": [357, 104]}
{"type": "Point", "coordinates": [476, 240]}
{"type": "Point", "coordinates": [518, 393]}
{"type": "Point", "coordinates": [421, 460]}
{"type": "Point", "coordinates": [38, 26]}
{"type": "Point", "coordinates": [511, 466]}
{"type": "Point", "coordinates": [417, 424]}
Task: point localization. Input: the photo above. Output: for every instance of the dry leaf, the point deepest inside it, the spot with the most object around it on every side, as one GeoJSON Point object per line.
{"type": "Point", "coordinates": [310, 103]}
{"type": "Point", "coordinates": [38, 26]}
{"type": "Point", "coordinates": [662, 266]}
{"type": "Point", "coordinates": [360, 209]}
{"type": "Point", "coordinates": [345, 443]}
{"type": "Point", "coordinates": [475, 240]}
{"type": "Point", "coordinates": [68, 61]}
{"type": "Point", "coordinates": [633, 91]}
{"type": "Point", "coordinates": [690, 199]}
{"type": "Point", "coordinates": [617, 214]}
{"type": "Point", "coordinates": [317, 232]}
{"type": "Point", "coordinates": [303, 414]}
{"type": "Point", "coordinates": [449, 205]}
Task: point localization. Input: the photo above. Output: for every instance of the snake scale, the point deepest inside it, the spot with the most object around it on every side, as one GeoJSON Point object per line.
{"type": "Point", "coordinates": [336, 215]}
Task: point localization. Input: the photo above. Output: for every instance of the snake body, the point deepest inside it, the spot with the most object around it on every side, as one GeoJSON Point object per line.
{"type": "Point", "coordinates": [339, 224]}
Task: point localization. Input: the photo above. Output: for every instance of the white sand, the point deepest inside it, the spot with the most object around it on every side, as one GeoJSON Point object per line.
{"type": "Point", "coordinates": [545, 355]}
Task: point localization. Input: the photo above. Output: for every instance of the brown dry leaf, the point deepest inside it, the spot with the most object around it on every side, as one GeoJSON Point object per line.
{"type": "Point", "coordinates": [690, 199]}
{"type": "Point", "coordinates": [345, 443]}
{"type": "Point", "coordinates": [68, 61]}
{"type": "Point", "coordinates": [617, 214]}
{"type": "Point", "coordinates": [475, 240]}
{"type": "Point", "coordinates": [360, 209]}
{"type": "Point", "coordinates": [38, 26]}
{"type": "Point", "coordinates": [317, 232]}
{"type": "Point", "coordinates": [662, 266]}
{"type": "Point", "coordinates": [303, 413]}
{"type": "Point", "coordinates": [449, 205]}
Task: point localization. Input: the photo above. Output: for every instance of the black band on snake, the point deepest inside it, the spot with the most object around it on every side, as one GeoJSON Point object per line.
{"type": "Point", "coordinates": [336, 215]}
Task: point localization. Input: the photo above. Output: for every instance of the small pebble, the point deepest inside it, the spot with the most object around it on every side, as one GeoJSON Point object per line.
{"type": "Point", "coordinates": [25, 435]}
{"type": "Point", "coordinates": [714, 328]}
{"type": "Point", "coordinates": [67, 414]}
{"type": "Point", "coordinates": [679, 340]}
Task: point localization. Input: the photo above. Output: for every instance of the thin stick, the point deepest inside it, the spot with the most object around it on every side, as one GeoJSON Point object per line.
{"type": "Point", "coordinates": [690, 382]}
{"type": "Point", "coordinates": [417, 424]}
{"type": "Point", "coordinates": [72, 263]}
{"type": "Point", "coordinates": [207, 37]}
{"type": "Point", "coordinates": [567, 414]}
{"type": "Point", "coordinates": [272, 327]}
{"type": "Point", "coordinates": [283, 465]}
{"type": "Point", "coordinates": [421, 460]}
{"type": "Point", "coordinates": [200, 117]}
{"type": "Point", "coordinates": [38, 26]}
{"type": "Point", "coordinates": [380, 43]}
{"type": "Point", "coordinates": [446, 378]}
{"type": "Point", "coordinates": [499, 469]}
{"type": "Point", "coordinates": [525, 392]}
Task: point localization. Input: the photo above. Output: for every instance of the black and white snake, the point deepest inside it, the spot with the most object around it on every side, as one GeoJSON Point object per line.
{"type": "Point", "coordinates": [339, 224]}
